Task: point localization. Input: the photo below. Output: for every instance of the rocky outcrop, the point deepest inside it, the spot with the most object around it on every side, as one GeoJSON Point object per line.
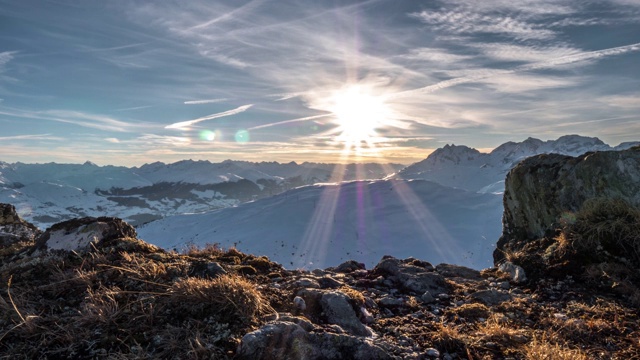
{"type": "Point", "coordinates": [13, 229]}
{"type": "Point", "coordinates": [411, 275]}
{"type": "Point", "coordinates": [290, 341]}
{"type": "Point", "coordinates": [544, 190]}
{"type": "Point", "coordinates": [82, 234]}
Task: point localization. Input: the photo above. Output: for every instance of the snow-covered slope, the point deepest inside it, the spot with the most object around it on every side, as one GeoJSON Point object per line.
{"type": "Point", "coordinates": [323, 225]}
{"type": "Point", "coordinates": [48, 193]}
{"type": "Point", "coordinates": [466, 168]}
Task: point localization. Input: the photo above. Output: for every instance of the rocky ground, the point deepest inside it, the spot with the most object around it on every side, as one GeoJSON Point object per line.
{"type": "Point", "coordinates": [90, 289]}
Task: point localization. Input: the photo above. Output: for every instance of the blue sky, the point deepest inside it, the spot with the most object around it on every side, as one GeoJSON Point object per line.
{"type": "Point", "coordinates": [129, 82]}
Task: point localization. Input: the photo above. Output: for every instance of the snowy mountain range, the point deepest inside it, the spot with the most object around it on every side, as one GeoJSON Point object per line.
{"type": "Point", "coordinates": [446, 208]}
{"type": "Point", "coordinates": [48, 193]}
{"type": "Point", "coordinates": [466, 168]}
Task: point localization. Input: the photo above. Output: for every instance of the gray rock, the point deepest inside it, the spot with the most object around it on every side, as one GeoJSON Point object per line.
{"type": "Point", "coordinates": [516, 273]}
{"type": "Point", "coordinates": [390, 301]}
{"type": "Point", "coordinates": [84, 234]}
{"type": "Point", "coordinates": [431, 352]}
{"type": "Point", "coordinates": [338, 310]}
{"type": "Point", "coordinates": [215, 269]}
{"type": "Point", "coordinates": [540, 189]}
{"type": "Point", "coordinates": [13, 229]}
{"type": "Point", "coordinates": [333, 307]}
{"type": "Point", "coordinates": [327, 282]}
{"type": "Point", "coordinates": [307, 283]}
{"type": "Point", "coordinates": [349, 266]}
{"type": "Point", "coordinates": [299, 303]}
{"type": "Point", "coordinates": [490, 297]}
{"type": "Point", "coordinates": [411, 277]}
{"type": "Point", "coordinates": [289, 341]}
{"type": "Point", "coordinates": [449, 271]}
{"type": "Point", "coordinates": [427, 298]}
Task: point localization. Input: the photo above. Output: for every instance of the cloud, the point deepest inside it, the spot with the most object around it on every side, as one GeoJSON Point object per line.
{"type": "Point", "coordinates": [78, 118]}
{"type": "Point", "coordinates": [622, 101]}
{"type": "Point", "coordinates": [95, 121]}
{"type": "Point", "coordinates": [434, 55]}
{"type": "Point", "coordinates": [306, 118]}
{"type": "Point", "coordinates": [185, 124]}
{"type": "Point", "coordinates": [517, 52]}
{"type": "Point", "coordinates": [112, 140]}
{"type": "Point", "coordinates": [549, 63]}
{"type": "Point", "coordinates": [463, 22]}
{"type": "Point", "coordinates": [5, 57]}
{"type": "Point", "coordinates": [199, 102]}
{"type": "Point", "coordinates": [134, 108]}
{"type": "Point", "coordinates": [31, 137]}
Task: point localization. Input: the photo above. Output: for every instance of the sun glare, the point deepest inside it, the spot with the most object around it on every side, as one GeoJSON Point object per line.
{"type": "Point", "coordinates": [358, 114]}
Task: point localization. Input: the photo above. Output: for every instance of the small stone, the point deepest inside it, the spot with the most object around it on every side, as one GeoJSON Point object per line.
{"type": "Point", "coordinates": [427, 298]}
{"type": "Point", "coordinates": [432, 352]}
{"type": "Point", "coordinates": [391, 301]}
{"type": "Point", "coordinates": [516, 272]}
{"type": "Point", "coordinates": [560, 316]}
{"type": "Point", "coordinates": [366, 316]}
{"type": "Point", "coordinates": [299, 303]}
{"type": "Point", "coordinates": [307, 283]}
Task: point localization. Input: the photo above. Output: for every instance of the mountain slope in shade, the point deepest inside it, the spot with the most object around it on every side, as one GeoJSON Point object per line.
{"type": "Point", "coordinates": [323, 225]}
{"type": "Point", "coordinates": [466, 168]}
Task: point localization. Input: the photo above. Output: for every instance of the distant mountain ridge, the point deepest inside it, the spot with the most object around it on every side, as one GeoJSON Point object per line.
{"type": "Point", "coordinates": [48, 193]}
{"type": "Point", "coordinates": [467, 168]}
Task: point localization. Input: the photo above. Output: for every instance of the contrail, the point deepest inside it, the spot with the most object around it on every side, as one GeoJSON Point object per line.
{"type": "Point", "coordinates": [289, 121]}
{"type": "Point", "coordinates": [539, 65]}
{"type": "Point", "coordinates": [183, 124]}
{"type": "Point", "coordinates": [198, 102]}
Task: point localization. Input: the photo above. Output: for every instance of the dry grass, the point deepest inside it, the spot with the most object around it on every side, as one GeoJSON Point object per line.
{"type": "Point", "coordinates": [356, 296]}
{"type": "Point", "coordinates": [608, 224]}
{"type": "Point", "coordinates": [121, 303]}
{"type": "Point", "coordinates": [230, 297]}
{"type": "Point", "coordinates": [205, 251]}
{"type": "Point", "coordinates": [448, 337]}
{"type": "Point", "coordinates": [542, 347]}
{"type": "Point", "coordinates": [471, 311]}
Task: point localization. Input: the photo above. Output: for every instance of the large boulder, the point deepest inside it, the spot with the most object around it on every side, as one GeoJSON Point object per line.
{"type": "Point", "coordinates": [542, 191]}
{"type": "Point", "coordinates": [411, 275]}
{"type": "Point", "coordinates": [13, 229]}
{"type": "Point", "coordinates": [84, 234]}
{"type": "Point", "coordinates": [287, 340]}
{"type": "Point", "coordinates": [333, 307]}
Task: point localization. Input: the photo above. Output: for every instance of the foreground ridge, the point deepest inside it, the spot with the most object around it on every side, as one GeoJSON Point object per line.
{"type": "Point", "coordinates": [108, 294]}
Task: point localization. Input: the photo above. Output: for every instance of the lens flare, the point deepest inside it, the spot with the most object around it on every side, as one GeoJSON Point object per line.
{"type": "Point", "coordinates": [207, 135]}
{"type": "Point", "coordinates": [242, 136]}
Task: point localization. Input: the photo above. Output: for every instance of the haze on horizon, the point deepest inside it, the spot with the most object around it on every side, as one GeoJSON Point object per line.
{"type": "Point", "coordinates": [131, 82]}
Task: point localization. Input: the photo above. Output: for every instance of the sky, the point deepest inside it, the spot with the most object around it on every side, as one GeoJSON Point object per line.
{"type": "Point", "coordinates": [133, 82]}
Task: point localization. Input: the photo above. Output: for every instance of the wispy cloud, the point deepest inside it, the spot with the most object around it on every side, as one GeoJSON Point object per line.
{"type": "Point", "coordinates": [5, 57]}
{"type": "Point", "coordinates": [186, 124]}
{"type": "Point", "coordinates": [31, 137]}
{"type": "Point", "coordinates": [134, 108]}
{"type": "Point", "coordinates": [463, 22]}
{"type": "Point", "coordinates": [199, 102]}
{"type": "Point", "coordinates": [548, 63]}
{"type": "Point", "coordinates": [78, 118]}
{"type": "Point", "coordinates": [306, 118]}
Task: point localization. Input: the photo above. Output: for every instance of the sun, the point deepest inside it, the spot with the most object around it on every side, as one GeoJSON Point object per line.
{"type": "Point", "coordinates": [358, 114]}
